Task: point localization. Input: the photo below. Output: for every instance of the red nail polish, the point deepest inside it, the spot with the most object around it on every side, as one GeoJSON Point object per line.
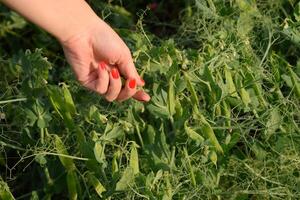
{"type": "Point", "coordinates": [132, 83]}
{"type": "Point", "coordinates": [102, 64]}
{"type": "Point", "coordinates": [115, 73]}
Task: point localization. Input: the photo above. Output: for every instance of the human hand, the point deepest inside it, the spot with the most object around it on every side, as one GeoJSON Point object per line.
{"type": "Point", "coordinates": [87, 41]}
{"type": "Point", "coordinates": [99, 58]}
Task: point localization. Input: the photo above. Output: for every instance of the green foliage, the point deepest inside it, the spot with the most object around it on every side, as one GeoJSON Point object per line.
{"type": "Point", "coordinates": [222, 123]}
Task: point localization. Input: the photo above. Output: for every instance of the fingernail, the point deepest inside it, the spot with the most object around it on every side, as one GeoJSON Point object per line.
{"type": "Point", "coordinates": [115, 73]}
{"type": "Point", "coordinates": [144, 101]}
{"type": "Point", "coordinates": [142, 80]}
{"type": "Point", "coordinates": [102, 64]}
{"type": "Point", "coordinates": [132, 83]}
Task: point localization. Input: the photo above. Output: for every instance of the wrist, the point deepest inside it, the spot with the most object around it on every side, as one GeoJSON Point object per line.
{"type": "Point", "coordinates": [79, 19]}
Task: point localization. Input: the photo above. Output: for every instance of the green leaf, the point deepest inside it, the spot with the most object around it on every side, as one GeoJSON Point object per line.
{"type": "Point", "coordinates": [259, 152]}
{"type": "Point", "coordinates": [158, 106]}
{"type": "Point", "coordinates": [244, 24]}
{"type": "Point", "coordinates": [41, 123]}
{"type": "Point", "coordinates": [273, 122]}
{"type": "Point", "coordinates": [288, 80]}
{"type": "Point", "coordinates": [115, 133]}
{"type": "Point", "coordinates": [31, 117]}
{"type": "Point", "coordinates": [40, 159]}
{"type": "Point", "coordinates": [5, 193]}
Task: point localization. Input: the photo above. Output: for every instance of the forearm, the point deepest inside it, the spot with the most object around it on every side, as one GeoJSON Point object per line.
{"type": "Point", "coordinates": [61, 18]}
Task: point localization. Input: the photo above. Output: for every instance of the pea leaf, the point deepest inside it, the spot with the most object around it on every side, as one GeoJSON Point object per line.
{"type": "Point", "coordinates": [273, 122]}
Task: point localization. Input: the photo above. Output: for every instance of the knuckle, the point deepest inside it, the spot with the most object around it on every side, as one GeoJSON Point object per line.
{"type": "Point", "coordinates": [101, 91]}
{"type": "Point", "coordinates": [127, 52]}
{"type": "Point", "coordinates": [109, 99]}
{"type": "Point", "coordinates": [84, 83]}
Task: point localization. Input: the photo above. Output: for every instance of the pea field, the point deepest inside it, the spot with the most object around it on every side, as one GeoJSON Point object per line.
{"type": "Point", "coordinates": [223, 121]}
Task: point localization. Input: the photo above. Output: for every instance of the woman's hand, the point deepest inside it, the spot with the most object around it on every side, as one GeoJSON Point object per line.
{"type": "Point", "coordinates": [96, 53]}
{"type": "Point", "coordinates": [99, 58]}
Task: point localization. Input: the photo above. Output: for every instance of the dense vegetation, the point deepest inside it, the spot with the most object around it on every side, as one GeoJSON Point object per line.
{"type": "Point", "coordinates": [223, 121]}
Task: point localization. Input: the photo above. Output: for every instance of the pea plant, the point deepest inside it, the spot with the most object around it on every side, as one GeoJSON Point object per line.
{"type": "Point", "coordinates": [222, 123]}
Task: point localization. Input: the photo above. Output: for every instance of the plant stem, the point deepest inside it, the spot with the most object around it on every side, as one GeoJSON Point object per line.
{"type": "Point", "coordinates": [12, 100]}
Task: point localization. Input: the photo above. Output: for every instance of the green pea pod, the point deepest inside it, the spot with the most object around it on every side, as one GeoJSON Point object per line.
{"type": "Point", "coordinates": [275, 63]}
{"type": "Point", "coordinates": [245, 97]}
{"type": "Point", "coordinates": [96, 184]}
{"type": "Point", "coordinates": [72, 182]}
{"type": "Point", "coordinates": [134, 159]}
{"type": "Point", "coordinates": [259, 95]}
{"type": "Point", "coordinates": [178, 109]}
{"type": "Point", "coordinates": [194, 97]}
{"type": "Point", "coordinates": [217, 110]}
{"type": "Point", "coordinates": [207, 129]}
{"type": "Point", "coordinates": [295, 81]}
{"type": "Point", "coordinates": [99, 152]}
{"type": "Point", "coordinates": [126, 180]}
{"type": "Point", "coordinates": [171, 98]}
{"type": "Point", "coordinates": [258, 92]}
{"type": "Point", "coordinates": [69, 103]}
{"type": "Point", "coordinates": [229, 82]}
{"type": "Point", "coordinates": [193, 134]}
{"type": "Point", "coordinates": [61, 149]}
{"type": "Point", "coordinates": [114, 164]}
{"type": "Point", "coordinates": [226, 112]}
{"type": "Point", "coordinates": [209, 132]}
{"type": "Point", "coordinates": [213, 157]}
{"type": "Point", "coordinates": [190, 168]}
{"type": "Point", "coordinates": [60, 107]}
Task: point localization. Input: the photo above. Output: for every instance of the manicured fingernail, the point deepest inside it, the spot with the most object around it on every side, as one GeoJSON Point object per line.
{"type": "Point", "coordinates": [115, 73]}
{"type": "Point", "coordinates": [142, 80]}
{"type": "Point", "coordinates": [132, 83]}
{"type": "Point", "coordinates": [102, 64]}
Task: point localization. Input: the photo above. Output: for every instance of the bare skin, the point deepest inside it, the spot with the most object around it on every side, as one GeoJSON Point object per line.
{"type": "Point", "coordinates": [97, 55]}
